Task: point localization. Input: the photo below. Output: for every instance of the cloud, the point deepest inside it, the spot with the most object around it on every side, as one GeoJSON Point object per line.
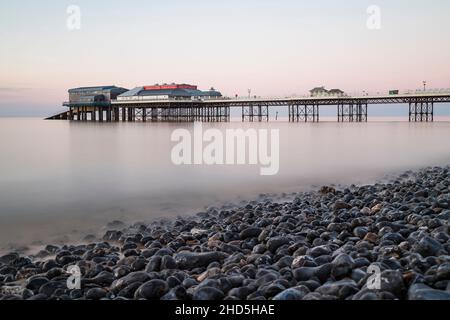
{"type": "Point", "coordinates": [9, 89]}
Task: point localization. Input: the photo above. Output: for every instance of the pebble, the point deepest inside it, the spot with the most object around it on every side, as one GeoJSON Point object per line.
{"type": "Point", "coordinates": [342, 266]}
{"type": "Point", "coordinates": [424, 292]}
{"type": "Point", "coordinates": [153, 289]}
{"type": "Point", "coordinates": [292, 294]}
{"type": "Point", "coordinates": [208, 293]}
{"type": "Point", "coordinates": [190, 260]}
{"type": "Point", "coordinates": [96, 293]}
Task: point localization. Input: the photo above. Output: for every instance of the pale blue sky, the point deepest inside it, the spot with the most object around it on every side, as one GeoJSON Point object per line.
{"type": "Point", "coordinates": [277, 48]}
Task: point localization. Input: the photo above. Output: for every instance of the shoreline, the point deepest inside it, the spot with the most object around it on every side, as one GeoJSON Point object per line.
{"type": "Point", "coordinates": [318, 246]}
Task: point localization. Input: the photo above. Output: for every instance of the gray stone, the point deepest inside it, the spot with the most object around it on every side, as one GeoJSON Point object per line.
{"type": "Point", "coordinates": [340, 289]}
{"type": "Point", "coordinates": [153, 289]}
{"type": "Point", "coordinates": [96, 293]}
{"type": "Point", "coordinates": [424, 292]}
{"type": "Point", "coordinates": [427, 247]}
{"type": "Point", "coordinates": [274, 243]}
{"type": "Point", "coordinates": [292, 294]}
{"type": "Point", "coordinates": [250, 233]}
{"type": "Point", "coordinates": [191, 260]}
{"type": "Point", "coordinates": [208, 293]}
{"type": "Point", "coordinates": [342, 266]}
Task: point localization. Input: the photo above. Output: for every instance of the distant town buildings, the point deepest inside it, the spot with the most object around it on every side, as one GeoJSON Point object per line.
{"type": "Point", "coordinates": [322, 92]}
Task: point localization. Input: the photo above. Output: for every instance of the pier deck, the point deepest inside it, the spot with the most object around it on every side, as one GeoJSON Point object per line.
{"type": "Point", "coordinates": [301, 109]}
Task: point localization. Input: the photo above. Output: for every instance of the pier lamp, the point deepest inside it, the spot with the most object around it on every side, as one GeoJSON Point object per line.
{"type": "Point", "coordinates": [424, 86]}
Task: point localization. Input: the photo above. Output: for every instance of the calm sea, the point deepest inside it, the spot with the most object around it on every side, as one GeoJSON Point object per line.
{"type": "Point", "coordinates": [62, 180]}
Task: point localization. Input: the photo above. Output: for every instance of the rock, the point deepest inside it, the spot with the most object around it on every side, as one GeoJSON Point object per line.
{"type": "Point", "coordinates": [168, 263]}
{"type": "Point", "coordinates": [240, 293]}
{"type": "Point", "coordinates": [371, 237]}
{"type": "Point", "coordinates": [272, 289]}
{"type": "Point", "coordinates": [375, 209]}
{"type": "Point", "coordinates": [250, 233]}
{"type": "Point", "coordinates": [26, 294]}
{"type": "Point", "coordinates": [274, 243]}
{"type": "Point", "coordinates": [292, 294]}
{"type": "Point", "coordinates": [208, 274]}
{"type": "Point", "coordinates": [427, 247]}
{"type": "Point", "coordinates": [339, 205]}
{"type": "Point", "coordinates": [96, 293]}
{"type": "Point", "coordinates": [443, 272]}
{"type": "Point", "coordinates": [394, 237]}
{"type": "Point", "coordinates": [38, 297]}
{"type": "Point", "coordinates": [112, 235]}
{"type": "Point", "coordinates": [103, 279]}
{"type": "Point", "coordinates": [138, 276]}
{"type": "Point", "coordinates": [421, 194]}
{"type": "Point", "coordinates": [208, 293]}
{"type": "Point", "coordinates": [153, 289]}
{"type": "Point", "coordinates": [34, 283]}
{"type": "Point", "coordinates": [342, 266]}
{"type": "Point", "coordinates": [49, 264]}
{"type": "Point", "coordinates": [303, 261]}
{"type": "Point", "coordinates": [306, 273]}
{"type": "Point", "coordinates": [327, 190]}
{"type": "Point", "coordinates": [129, 291]}
{"type": "Point", "coordinates": [154, 264]}
{"type": "Point", "coordinates": [424, 292]}
{"type": "Point", "coordinates": [392, 281]}
{"type": "Point", "coordinates": [191, 260]}
{"type": "Point", "coordinates": [319, 251]}
{"type": "Point", "coordinates": [7, 259]}
{"type": "Point", "coordinates": [360, 232]}
{"type": "Point", "coordinates": [50, 287]}
{"type": "Point", "coordinates": [340, 289]}
{"type": "Point", "coordinates": [196, 232]}
{"type": "Point", "coordinates": [51, 249]}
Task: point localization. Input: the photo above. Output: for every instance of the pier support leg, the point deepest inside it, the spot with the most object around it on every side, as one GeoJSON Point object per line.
{"type": "Point", "coordinates": [108, 114]}
{"type": "Point", "coordinates": [421, 111]}
{"type": "Point", "coordinates": [352, 112]}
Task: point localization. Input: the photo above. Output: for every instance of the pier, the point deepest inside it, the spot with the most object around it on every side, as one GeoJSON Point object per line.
{"type": "Point", "coordinates": [160, 104]}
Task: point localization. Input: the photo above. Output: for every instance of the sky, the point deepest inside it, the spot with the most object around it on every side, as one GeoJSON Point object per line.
{"type": "Point", "coordinates": [275, 48]}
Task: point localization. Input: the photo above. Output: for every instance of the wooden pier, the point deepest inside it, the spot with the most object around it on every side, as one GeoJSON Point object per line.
{"type": "Point", "coordinates": [306, 109]}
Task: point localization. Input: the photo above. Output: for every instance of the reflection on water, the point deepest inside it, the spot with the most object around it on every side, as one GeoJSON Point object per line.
{"type": "Point", "coordinates": [58, 177]}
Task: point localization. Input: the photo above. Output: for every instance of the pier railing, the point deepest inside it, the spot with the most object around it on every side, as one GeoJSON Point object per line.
{"type": "Point", "coordinates": [350, 108]}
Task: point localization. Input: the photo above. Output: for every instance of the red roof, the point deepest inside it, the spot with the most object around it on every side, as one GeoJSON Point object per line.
{"type": "Point", "coordinates": [170, 87]}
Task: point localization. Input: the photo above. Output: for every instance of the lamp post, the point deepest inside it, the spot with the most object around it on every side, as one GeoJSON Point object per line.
{"type": "Point", "coordinates": [424, 86]}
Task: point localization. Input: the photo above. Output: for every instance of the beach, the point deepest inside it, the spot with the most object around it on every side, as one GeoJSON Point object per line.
{"type": "Point", "coordinates": [380, 241]}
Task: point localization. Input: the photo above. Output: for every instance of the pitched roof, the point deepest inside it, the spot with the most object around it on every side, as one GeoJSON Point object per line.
{"type": "Point", "coordinates": [98, 88]}
{"type": "Point", "coordinates": [336, 90]}
{"type": "Point", "coordinates": [318, 89]}
{"type": "Point", "coordinates": [140, 91]}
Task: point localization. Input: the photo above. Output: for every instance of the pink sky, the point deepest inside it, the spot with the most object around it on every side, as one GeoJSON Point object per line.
{"type": "Point", "coordinates": [275, 48]}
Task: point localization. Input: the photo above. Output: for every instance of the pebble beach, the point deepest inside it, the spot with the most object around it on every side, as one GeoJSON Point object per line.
{"type": "Point", "coordinates": [319, 245]}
